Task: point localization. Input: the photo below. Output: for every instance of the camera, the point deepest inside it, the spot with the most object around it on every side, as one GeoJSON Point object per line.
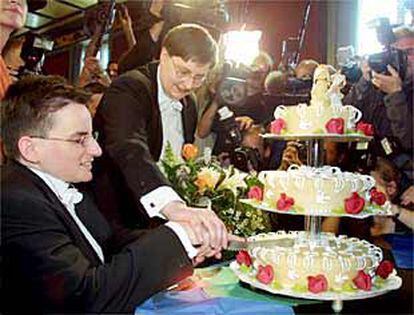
{"type": "Point", "coordinates": [33, 54]}
{"type": "Point", "coordinates": [243, 158]}
{"type": "Point", "coordinates": [390, 56]}
{"type": "Point", "coordinates": [346, 60]}
{"type": "Point", "coordinates": [232, 88]}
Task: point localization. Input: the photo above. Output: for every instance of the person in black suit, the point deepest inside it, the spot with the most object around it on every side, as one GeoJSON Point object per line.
{"type": "Point", "coordinates": [58, 252]}
{"type": "Point", "coordinates": [142, 111]}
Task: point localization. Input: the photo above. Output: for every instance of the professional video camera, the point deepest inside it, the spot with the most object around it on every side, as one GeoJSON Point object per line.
{"type": "Point", "coordinates": [33, 54]}
{"type": "Point", "coordinates": [232, 89]}
{"type": "Point", "coordinates": [390, 56]}
{"type": "Point", "coordinates": [243, 158]}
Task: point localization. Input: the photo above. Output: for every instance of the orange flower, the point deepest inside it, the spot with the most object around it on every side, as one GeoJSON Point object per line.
{"type": "Point", "coordinates": [189, 151]}
{"type": "Point", "coordinates": [207, 179]}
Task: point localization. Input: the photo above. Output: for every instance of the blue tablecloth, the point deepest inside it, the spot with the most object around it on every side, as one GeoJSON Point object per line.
{"type": "Point", "coordinates": [402, 249]}
{"type": "Point", "coordinates": [197, 302]}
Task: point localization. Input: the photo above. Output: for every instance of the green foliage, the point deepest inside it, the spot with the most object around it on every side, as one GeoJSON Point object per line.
{"type": "Point", "coordinates": [201, 180]}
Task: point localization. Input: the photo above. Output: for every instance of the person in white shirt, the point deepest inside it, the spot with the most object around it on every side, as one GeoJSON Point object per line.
{"type": "Point", "coordinates": [58, 251]}
{"type": "Point", "coordinates": [142, 111]}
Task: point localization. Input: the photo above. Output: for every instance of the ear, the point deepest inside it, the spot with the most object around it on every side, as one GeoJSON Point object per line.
{"type": "Point", "coordinates": [164, 54]}
{"type": "Point", "coordinates": [391, 189]}
{"type": "Point", "coordinates": [28, 149]}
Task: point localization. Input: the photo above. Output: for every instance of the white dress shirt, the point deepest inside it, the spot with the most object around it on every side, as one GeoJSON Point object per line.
{"type": "Point", "coordinates": [69, 197]}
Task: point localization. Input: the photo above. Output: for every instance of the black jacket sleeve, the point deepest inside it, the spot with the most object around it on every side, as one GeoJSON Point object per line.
{"type": "Point", "coordinates": [44, 266]}
{"type": "Point", "coordinates": [126, 114]}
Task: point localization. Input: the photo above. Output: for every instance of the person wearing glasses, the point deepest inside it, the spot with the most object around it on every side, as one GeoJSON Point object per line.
{"type": "Point", "coordinates": [59, 254]}
{"type": "Point", "coordinates": [140, 113]}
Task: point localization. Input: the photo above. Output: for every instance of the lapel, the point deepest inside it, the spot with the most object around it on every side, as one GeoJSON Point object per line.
{"type": "Point", "coordinates": [38, 185]}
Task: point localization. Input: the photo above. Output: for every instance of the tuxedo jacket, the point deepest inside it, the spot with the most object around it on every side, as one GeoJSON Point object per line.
{"type": "Point", "coordinates": [129, 124]}
{"type": "Point", "coordinates": [49, 266]}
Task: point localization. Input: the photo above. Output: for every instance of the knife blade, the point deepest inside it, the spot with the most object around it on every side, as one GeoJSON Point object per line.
{"type": "Point", "coordinates": [234, 245]}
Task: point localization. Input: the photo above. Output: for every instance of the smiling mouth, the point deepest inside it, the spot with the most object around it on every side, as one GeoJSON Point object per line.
{"type": "Point", "coordinates": [15, 9]}
{"type": "Point", "coordinates": [87, 165]}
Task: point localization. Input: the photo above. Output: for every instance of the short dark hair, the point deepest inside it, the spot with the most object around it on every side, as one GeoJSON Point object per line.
{"type": "Point", "coordinates": [27, 105]}
{"type": "Point", "coordinates": [191, 42]}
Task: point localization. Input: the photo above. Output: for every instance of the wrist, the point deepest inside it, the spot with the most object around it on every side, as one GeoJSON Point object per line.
{"type": "Point", "coordinates": [170, 208]}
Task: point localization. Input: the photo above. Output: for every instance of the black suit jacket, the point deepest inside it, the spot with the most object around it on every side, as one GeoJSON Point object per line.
{"type": "Point", "coordinates": [49, 266]}
{"type": "Point", "coordinates": [130, 133]}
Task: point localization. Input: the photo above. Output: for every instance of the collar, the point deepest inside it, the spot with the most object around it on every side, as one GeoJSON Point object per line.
{"type": "Point", "coordinates": [67, 195]}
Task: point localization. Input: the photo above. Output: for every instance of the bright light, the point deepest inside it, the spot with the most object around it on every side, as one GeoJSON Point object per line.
{"type": "Point", "coordinates": [241, 46]}
{"type": "Point", "coordinates": [369, 10]}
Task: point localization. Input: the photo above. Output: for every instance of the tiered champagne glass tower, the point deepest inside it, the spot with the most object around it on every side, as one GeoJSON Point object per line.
{"type": "Point", "coordinates": [294, 250]}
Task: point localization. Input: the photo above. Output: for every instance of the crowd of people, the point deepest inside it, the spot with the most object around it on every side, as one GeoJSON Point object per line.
{"type": "Point", "coordinates": [90, 223]}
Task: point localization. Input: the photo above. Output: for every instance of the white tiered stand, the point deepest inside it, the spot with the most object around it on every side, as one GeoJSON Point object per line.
{"type": "Point", "coordinates": [315, 158]}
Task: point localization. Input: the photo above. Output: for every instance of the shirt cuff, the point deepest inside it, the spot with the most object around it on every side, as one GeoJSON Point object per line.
{"type": "Point", "coordinates": [157, 199]}
{"type": "Point", "coordinates": [185, 240]}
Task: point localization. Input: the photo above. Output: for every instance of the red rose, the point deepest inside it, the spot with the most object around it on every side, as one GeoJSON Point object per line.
{"type": "Point", "coordinates": [365, 128]}
{"type": "Point", "coordinates": [335, 125]}
{"type": "Point", "coordinates": [255, 192]}
{"type": "Point", "coordinates": [277, 126]}
{"type": "Point", "coordinates": [362, 281]}
{"type": "Point", "coordinates": [284, 202]}
{"type": "Point", "coordinates": [354, 204]}
{"type": "Point", "coordinates": [317, 284]}
{"type": "Point", "coordinates": [377, 197]}
{"type": "Point", "coordinates": [243, 258]}
{"type": "Point", "coordinates": [384, 269]}
{"type": "Point", "coordinates": [265, 274]}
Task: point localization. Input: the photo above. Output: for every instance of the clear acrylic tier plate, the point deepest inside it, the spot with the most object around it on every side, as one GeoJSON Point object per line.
{"type": "Point", "coordinates": [320, 212]}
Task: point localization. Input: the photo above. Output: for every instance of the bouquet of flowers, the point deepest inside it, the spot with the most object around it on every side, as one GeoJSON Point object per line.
{"type": "Point", "coordinates": [203, 182]}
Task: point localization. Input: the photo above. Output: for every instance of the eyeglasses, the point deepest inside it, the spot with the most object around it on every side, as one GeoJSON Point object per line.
{"type": "Point", "coordinates": [84, 140]}
{"type": "Point", "coordinates": [185, 74]}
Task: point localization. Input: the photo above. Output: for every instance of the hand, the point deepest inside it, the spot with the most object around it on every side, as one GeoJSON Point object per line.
{"type": "Point", "coordinates": [408, 196]}
{"type": "Point", "coordinates": [389, 84]}
{"type": "Point", "coordinates": [209, 230]}
{"type": "Point", "coordinates": [366, 70]}
{"type": "Point", "coordinates": [217, 254]}
{"type": "Point", "coordinates": [245, 122]}
{"type": "Point", "coordinates": [124, 16]}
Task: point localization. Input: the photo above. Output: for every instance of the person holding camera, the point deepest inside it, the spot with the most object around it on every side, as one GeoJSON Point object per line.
{"type": "Point", "coordinates": [386, 101]}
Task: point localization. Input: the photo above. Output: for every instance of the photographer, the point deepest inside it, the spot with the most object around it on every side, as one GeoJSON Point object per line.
{"type": "Point", "coordinates": [222, 117]}
{"type": "Point", "coordinates": [386, 101]}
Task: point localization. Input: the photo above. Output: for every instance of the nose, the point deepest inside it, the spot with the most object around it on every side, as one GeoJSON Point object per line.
{"type": "Point", "coordinates": [94, 149]}
{"type": "Point", "coordinates": [189, 84]}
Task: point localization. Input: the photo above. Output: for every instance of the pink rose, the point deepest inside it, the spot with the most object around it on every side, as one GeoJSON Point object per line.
{"type": "Point", "coordinates": [354, 204]}
{"type": "Point", "coordinates": [363, 281]}
{"type": "Point", "coordinates": [335, 125]}
{"type": "Point", "coordinates": [277, 126]}
{"type": "Point", "coordinates": [243, 258]}
{"type": "Point", "coordinates": [377, 197]}
{"type": "Point", "coordinates": [255, 192]}
{"type": "Point", "coordinates": [265, 274]}
{"type": "Point", "coordinates": [284, 203]}
{"type": "Point", "coordinates": [317, 284]}
{"type": "Point", "coordinates": [384, 269]}
{"type": "Point", "coordinates": [365, 128]}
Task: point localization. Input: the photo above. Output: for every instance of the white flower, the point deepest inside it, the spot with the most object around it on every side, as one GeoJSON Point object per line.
{"type": "Point", "coordinates": [207, 178]}
{"type": "Point", "coordinates": [233, 181]}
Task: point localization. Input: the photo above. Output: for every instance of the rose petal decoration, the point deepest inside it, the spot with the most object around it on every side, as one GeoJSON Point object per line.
{"type": "Point", "coordinates": [363, 281]}
{"type": "Point", "coordinates": [384, 269]}
{"type": "Point", "coordinates": [335, 125]}
{"type": "Point", "coordinates": [243, 258]}
{"type": "Point", "coordinates": [277, 126]}
{"type": "Point", "coordinates": [189, 151]}
{"type": "Point", "coordinates": [284, 203]}
{"type": "Point", "coordinates": [255, 192]}
{"type": "Point", "coordinates": [265, 274]}
{"type": "Point", "coordinates": [377, 197]}
{"type": "Point", "coordinates": [366, 128]}
{"type": "Point", "coordinates": [354, 204]}
{"type": "Point", "coordinates": [317, 284]}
